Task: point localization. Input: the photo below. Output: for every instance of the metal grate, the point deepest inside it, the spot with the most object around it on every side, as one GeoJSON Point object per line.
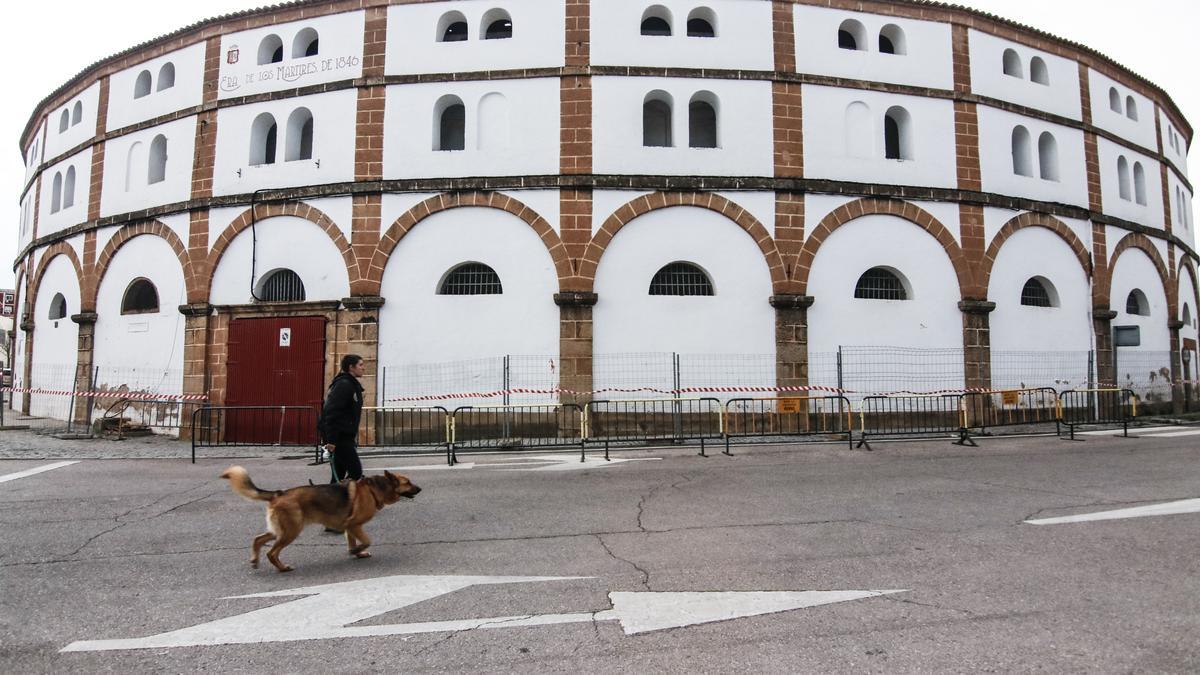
{"type": "Point", "coordinates": [471, 279]}
{"type": "Point", "coordinates": [140, 297]}
{"type": "Point", "coordinates": [680, 278]}
{"type": "Point", "coordinates": [878, 283]}
{"type": "Point", "coordinates": [282, 286]}
{"type": "Point", "coordinates": [1034, 294]}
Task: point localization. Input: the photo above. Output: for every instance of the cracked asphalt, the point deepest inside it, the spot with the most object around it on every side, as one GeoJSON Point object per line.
{"type": "Point", "coordinates": [129, 547]}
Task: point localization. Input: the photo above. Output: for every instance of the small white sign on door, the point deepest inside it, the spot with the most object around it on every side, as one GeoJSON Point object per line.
{"type": "Point", "coordinates": [285, 337]}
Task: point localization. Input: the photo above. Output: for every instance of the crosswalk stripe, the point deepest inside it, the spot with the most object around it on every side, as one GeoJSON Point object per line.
{"type": "Point", "coordinates": [1166, 509]}
{"type": "Point", "coordinates": [1173, 434]}
{"type": "Point", "coordinates": [36, 470]}
{"type": "Point", "coordinates": [1114, 432]}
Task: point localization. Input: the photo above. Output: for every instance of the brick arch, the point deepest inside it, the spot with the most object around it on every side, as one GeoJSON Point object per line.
{"type": "Point", "coordinates": [968, 288]}
{"type": "Point", "coordinates": [1137, 240]}
{"type": "Point", "coordinates": [586, 277]}
{"type": "Point", "coordinates": [1187, 264]}
{"type": "Point", "coordinates": [446, 201]}
{"type": "Point", "coordinates": [202, 284]}
{"type": "Point", "coordinates": [1026, 220]}
{"type": "Point", "coordinates": [52, 252]}
{"type": "Point", "coordinates": [127, 234]}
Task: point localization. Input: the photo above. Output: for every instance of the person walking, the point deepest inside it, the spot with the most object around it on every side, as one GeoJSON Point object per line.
{"type": "Point", "coordinates": [340, 416]}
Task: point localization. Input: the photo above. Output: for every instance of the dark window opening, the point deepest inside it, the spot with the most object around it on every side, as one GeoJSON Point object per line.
{"type": "Point", "coordinates": [681, 278]}
{"type": "Point", "coordinates": [700, 28]}
{"type": "Point", "coordinates": [58, 307]}
{"type": "Point", "coordinates": [471, 279]}
{"type": "Point", "coordinates": [1136, 304]}
{"type": "Point", "coordinates": [891, 138]}
{"type": "Point", "coordinates": [878, 283]}
{"type": "Point", "coordinates": [1034, 294]}
{"type": "Point", "coordinates": [453, 126]}
{"type": "Point", "coordinates": [655, 25]}
{"type": "Point", "coordinates": [140, 298]}
{"type": "Point", "coordinates": [846, 40]}
{"type": "Point", "coordinates": [455, 32]}
{"type": "Point", "coordinates": [500, 29]}
{"type": "Point", "coordinates": [282, 286]}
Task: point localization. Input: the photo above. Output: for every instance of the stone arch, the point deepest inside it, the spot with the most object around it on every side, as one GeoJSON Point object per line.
{"type": "Point", "coordinates": [586, 275]}
{"type": "Point", "coordinates": [968, 287]}
{"type": "Point", "coordinates": [1186, 263]}
{"type": "Point", "coordinates": [1023, 221]}
{"type": "Point", "coordinates": [52, 252]}
{"type": "Point", "coordinates": [370, 284]}
{"type": "Point", "coordinates": [201, 284]}
{"type": "Point", "coordinates": [129, 232]}
{"type": "Point", "coordinates": [1141, 242]}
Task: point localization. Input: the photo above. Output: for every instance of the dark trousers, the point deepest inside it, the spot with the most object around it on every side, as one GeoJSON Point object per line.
{"type": "Point", "coordinates": [345, 462]}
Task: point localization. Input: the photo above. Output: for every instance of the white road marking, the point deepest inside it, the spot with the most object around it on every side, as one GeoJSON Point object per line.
{"type": "Point", "coordinates": [572, 464]}
{"type": "Point", "coordinates": [423, 467]}
{"type": "Point", "coordinates": [1174, 434]}
{"type": "Point", "coordinates": [540, 463]}
{"type": "Point", "coordinates": [30, 472]}
{"type": "Point", "coordinates": [331, 610]}
{"type": "Point", "coordinates": [1132, 430]}
{"type": "Point", "coordinates": [1166, 509]}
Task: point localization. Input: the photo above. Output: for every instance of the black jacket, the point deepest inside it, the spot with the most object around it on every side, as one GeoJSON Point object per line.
{"type": "Point", "coordinates": [342, 410]}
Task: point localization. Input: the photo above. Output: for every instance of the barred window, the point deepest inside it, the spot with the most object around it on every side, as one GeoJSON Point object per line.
{"type": "Point", "coordinates": [140, 298]}
{"type": "Point", "coordinates": [681, 278]}
{"type": "Point", "coordinates": [471, 279]}
{"type": "Point", "coordinates": [880, 283]}
{"type": "Point", "coordinates": [281, 285]}
{"type": "Point", "coordinates": [1037, 293]}
{"type": "Point", "coordinates": [1136, 303]}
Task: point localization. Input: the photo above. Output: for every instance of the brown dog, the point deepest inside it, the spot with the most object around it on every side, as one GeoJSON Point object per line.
{"type": "Point", "coordinates": [347, 506]}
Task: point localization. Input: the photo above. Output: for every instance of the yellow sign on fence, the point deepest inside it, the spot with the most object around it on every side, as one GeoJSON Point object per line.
{"type": "Point", "coordinates": [790, 405]}
{"type": "Point", "coordinates": [1011, 397]}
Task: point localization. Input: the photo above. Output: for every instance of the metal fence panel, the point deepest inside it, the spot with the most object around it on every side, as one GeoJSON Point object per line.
{"type": "Point", "coordinates": [823, 416]}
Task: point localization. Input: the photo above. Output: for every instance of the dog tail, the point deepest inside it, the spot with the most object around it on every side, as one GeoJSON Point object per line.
{"type": "Point", "coordinates": [240, 481]}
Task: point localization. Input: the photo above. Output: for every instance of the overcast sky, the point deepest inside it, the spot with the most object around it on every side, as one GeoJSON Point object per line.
{"type": "Point", "coordinates": [51, 41]}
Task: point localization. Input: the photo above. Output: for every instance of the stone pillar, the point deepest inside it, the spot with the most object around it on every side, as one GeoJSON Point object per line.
{"type": "Point", "coordinates": [977, 343]}
{"type": "Point", "coordinates": [358, 333]}
{"type": "Point", "coordinates": [82, 413]}
{"type": "Point", "coordinates": [575, 345]}
{"type": "Point", "coordinates": [1176, 367]}
{"type": "Point", "coordinates": [195, 362]}
{"type": "Point", "coordinates": [1102, 318]}
{"type": "Point", "coordinates": [27, 366]}
{"type": "Point", "coordinates": [791, 339]}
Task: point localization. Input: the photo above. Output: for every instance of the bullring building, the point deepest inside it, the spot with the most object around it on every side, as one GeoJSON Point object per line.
{"type": "Point", "coordinates": [602, 195]}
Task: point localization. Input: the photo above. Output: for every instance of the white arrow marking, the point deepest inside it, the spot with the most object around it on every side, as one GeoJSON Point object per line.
{"type": "Point", "coordinates": [30, 472]}
{"type": "Point", "coordinates": [1166, 509]}
{"type": "Point", "coordinates": [328, 611]}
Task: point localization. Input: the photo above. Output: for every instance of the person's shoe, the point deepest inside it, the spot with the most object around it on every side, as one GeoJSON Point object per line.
{"type": "Point", "coordinates": [330, 530]}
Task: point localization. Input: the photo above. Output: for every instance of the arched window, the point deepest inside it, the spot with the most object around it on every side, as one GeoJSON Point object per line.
{"type": "Point", "coordinates": [452, 27]}
{"type": "Point", "coordinates": [56, 194]}
{"type": "Point", "coordinates": [299, 135]}
{"type": "Point", "coordinates": [141, 86]}
{"type": "Point", "coordinates": [495, 130]}
{"type": "Point", "coordinates": [1039, 292]}
{"type": "Point", "coordinates": [860, 136]}
{"type": "Point", "coordinates": [702, 120]}
{"type": "Point", "coordinates": [1012, 64]}
{"type": "Point", "coordinates": [897, 134]}
{"type": "Point", "coordinates": [140, 298]}
{"type": "Point", "coordinates": [656, 120]}
{"type": "Point", "coordinates": [1123, 178]}
{"type": "Point", "coordinates": [281, 285]}
{"type": "Point", "coordinates": [881, 283]}
{"type": "Point", "coordinates": [58, 307]}
{"type": "Point", "coordinates": [497, 25]}
{"type": "Point", "coordinates": [157, 170]}
{"type": "Point", "coordinates": [702, 22]}
{"type": "Point", "coordinates": [133, 161]}
{"type": "Point", "coordinates": [1022, 152]}
{"type": "Point", "coordinates": [64, 120]}
{"type": "Point", "coordinates": [891, 40]}
{"type": "Point", "coordinates": [1187, 316]}
{"type": "Point", "coordinates": [1139, 183]}
{"type": "Point", "coordinates": [1131, 108]}
{"type": "Point", "coordinates": [681, 278]}
{"type": "Point", "coordinates": [306, 43]}
{"type": "Point", "coordinates": [1048, 156]}
{"type": "Point", "coordinates": [166, 76]}
{"type": "Point", "coordinates": [852, 35]}
{"type": "Point", "coordinates": [68, 198]}
{"type": "Point", "coordinates": [77, 113]}
{"type": "Point", "coordinates": [270, 50]}
{"type": "Point", "coordinates": [451, 117]}
{"type": "Point", "coordinates": [263, 135]}
{"type": "Point", "coordinates": [1038, 71]}
{"type": "Point", "coordinates": [1137, 304]}
{"type": "Point", "coordinates": [1114, 100]}
{"type": "Point", "coordinates": [471, 278]}
{"type": "Point", "coordinates": [656, 21]}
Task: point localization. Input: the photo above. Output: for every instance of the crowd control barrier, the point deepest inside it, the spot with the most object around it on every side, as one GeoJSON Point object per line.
{"type": "Point", "coordinates": [1010, 407]}
{"type": "Point", "coordinates": [653, 421]}
{"type": "Point", "coordinates": [246, 426]}
{"type": "Point", "coordinates": [1082, 407]}
{"type": "Point", "coordinates": [913, 415]}
{"type": "Point", "coordinates": [418, 428]}
{"type": "Point", "coordinates": [792, 417]}
{"type": "Point", "coordinates": [514, 427]}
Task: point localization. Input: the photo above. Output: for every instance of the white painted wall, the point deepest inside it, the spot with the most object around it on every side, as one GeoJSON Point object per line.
{"type": "Point", "coordinates": [56, 343]}
{"type": "Point", "coordinates": [927, 61]}
{"type": "Point", "coordinates": [322, 268]}
{"type": "Point", "coordinates": [826, 136]}
{"type": "Point", "coordinates": [48, 222]}
{"type": "Point", "coordinates": [737, 319]}
{"type": "Point", "coordinates": [125, 186]}
{"type": "Point", "coordinates": [1060, 97]}
{"type": "Point", "coordinates": [512, 128]}
{"type": "Point", "coordinates": [996, 159]}
{"type": "Point", "coordinates": [35, 153]}
{"type": "Point", "coordinates": [1134, 269]}
{"type": "Point", "coordinates": [58, 142]}
{"type": "Point", "coordinates": [414, 44]}
{"type": "Point", "coordinates": [744, 128]}
{"type": "Point", "coordinates": [1176, 153]}
{"type": "Point", "coordinates": [1141, 131]}
{"type": "Point", "coordinates": [187, 92]}
{"type": "Point", "coordinates": [340, 56]}
{"type": "Point", "coordinates": [1183, 222]}
{"type": "Point", "coordinates": [333, 144]}
{"type": "Point", "coordinates": [1150, 214]}
{"type": "Point", "coordinates": [743, 36]}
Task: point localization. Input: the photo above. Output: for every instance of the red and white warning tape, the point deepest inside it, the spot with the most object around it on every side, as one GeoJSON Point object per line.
{"type": "Point", "coordinates": [554, 391]}
{"type": "Point", "coordinates": [111, 393]}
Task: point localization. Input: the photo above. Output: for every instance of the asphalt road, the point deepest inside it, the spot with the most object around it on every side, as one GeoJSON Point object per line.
{"type": "Point", "coordinates": [649, 559]}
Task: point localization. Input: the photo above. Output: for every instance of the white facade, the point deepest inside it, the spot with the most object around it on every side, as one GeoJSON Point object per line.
{"type": "Point", "coordinates": [741, 39]}
{"type": "Point", "coordinates": [1026, 157]}
{"type": "Point", "coordinates": [71, 124]}
{"type": "Point", "coordinates": [1122, 111]}
{"type": "Point", "coordinates": [321, 269]}
{"type": "Point", "coordinates": [149, 168]}
{"type": "Point", "coordinates": [416, 36]}
{"type": "Point", "coordinates": [1125, 195]}
{"type": "Point", "coordinates": [248, 64]}
{"type": "Point", "coordinates": [66, 188]}
{"type": "Point", "coordinates": [156, 87]}
{"type": "Point", "coordinates": [1058, 95]}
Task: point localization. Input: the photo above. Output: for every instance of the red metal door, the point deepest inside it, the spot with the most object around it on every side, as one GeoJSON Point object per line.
{"type": "Point", "coordinates": [275, 362]}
